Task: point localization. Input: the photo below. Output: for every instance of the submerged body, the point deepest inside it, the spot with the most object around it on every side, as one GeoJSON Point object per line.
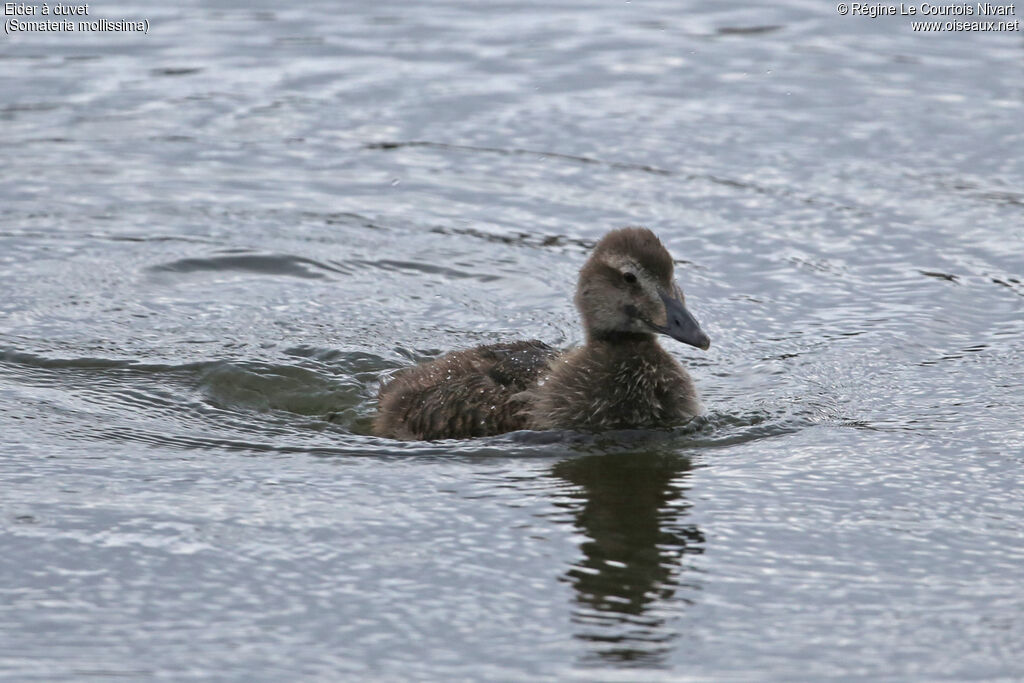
{"type": "Point", "coordinates": [621, 378]}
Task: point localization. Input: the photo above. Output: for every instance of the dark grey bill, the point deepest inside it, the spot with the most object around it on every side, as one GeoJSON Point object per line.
{"type": "Point", "coordinates": [680, 324]}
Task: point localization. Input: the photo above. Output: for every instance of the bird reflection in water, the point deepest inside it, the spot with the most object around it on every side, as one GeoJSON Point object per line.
{"type": "Point", "coordinates": [633, 571]}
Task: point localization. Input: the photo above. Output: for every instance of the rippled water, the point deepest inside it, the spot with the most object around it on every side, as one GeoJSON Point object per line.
{"type": "Point", "coordinates": [217, 240]}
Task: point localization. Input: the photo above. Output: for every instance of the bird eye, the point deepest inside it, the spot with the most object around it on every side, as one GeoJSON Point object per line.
{"type": "Point", "coordinates": [629, 277]}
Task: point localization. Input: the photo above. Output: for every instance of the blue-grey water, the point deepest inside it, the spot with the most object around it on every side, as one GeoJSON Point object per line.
{"type": "Point", "coordinates": [217, 239]}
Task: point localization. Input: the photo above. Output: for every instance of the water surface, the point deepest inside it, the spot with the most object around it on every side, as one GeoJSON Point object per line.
{"type": "Point", "coordinates": [218, 239]}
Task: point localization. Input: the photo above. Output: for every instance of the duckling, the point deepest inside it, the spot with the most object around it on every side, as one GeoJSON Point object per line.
{"type": "Point", "coordinates": [621, 378]}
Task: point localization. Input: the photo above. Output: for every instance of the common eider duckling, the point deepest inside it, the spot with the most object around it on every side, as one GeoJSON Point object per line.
{"type": "Point", "coordinates": [620, 378]}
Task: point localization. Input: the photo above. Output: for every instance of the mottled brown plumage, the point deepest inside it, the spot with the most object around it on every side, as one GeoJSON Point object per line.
{"type": "Point", "coordinates": [621, 378]}
{"type": "Point", "coordinates": [613, 384]}
{"type": "Point", "coordinates": [463, 393]}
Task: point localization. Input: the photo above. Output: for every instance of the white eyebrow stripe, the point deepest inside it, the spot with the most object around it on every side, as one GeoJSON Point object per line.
{"type": "Point", "coordinates": [624, 263]}
{"type": "Point", "coordinates": [647, 281]}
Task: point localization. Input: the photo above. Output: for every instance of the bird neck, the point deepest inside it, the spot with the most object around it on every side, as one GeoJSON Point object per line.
{"type": "Point", "coordinates": [619, 339]}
